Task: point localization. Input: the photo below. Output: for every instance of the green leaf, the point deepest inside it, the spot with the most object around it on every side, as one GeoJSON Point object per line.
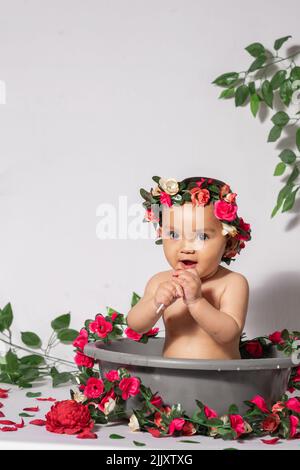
{"type": "Point", "coordinates": [255, 49]}
{"type": "Point", "coordinates": [63, 321]}
{"type": "Point", "coordinates": [116, 436]}
{"type": "Point", "coordinates": [258, 62]}
{"type": "Point", "coordinates": [278, 79]}
{"type": "Point", "coordinates": [293, 175]}
{"type": "Point", "coordinates": [286, 92]}
{"type": "Point", "coordinates": [290, 200]}
{"type": "Point", "coordinates": [6, 317]}
{"type": "Point", "coordinates": [280, 169]}
{"type": "Point", "coordinates": [274, 133]}
{"type": "Point", "coordinates": [241, 94]}
{"type": "Point", "coordinates": [32, 360]}
{"type": "Point", "coordinates": [283, 193]}
{"type": "Point", "coordinates": [134, 299]}
{"type": "Point", "coordinates": [233, 409]}
{"type": "Point", "coordinates": [295, 73]}
{"type": "Point", "coordinates": [226, 79]}
{"type": "Point", "coordinates": [254, 104]}
{"type": "Point", "coordinates": [287, 156]}
{"type": "Point", "coordinates": [29, 375]}
{"type": "Point", "coordinates": [31, 339]}
{"type": "Point", "coordinates": [267, 92]}
{"type": "Point", "coordinates": [61, 378]}
{"type": "Point", "coordinates": [280, 119]}
{"type": "Point", "coordinates": [278, 43]}
{"type": "Point", "coordinates": [187, 441]}
{"type": "Point", "coordinates": [33, 394]}
{"type": "Point", "coordinates": [26, 415]}
{"type": "Point", "coordinates": [139, 444]}
{"type": "Point", "coordinates": [67, 335]}
{"type": "Point", "coordinates": [251, 86]}
{"type": "Point", "coordinates": [227, 93]}
{"type": "Point", "coordinates": [146, 195]}
{"type": "Point", "coordinates": [298, 139]}
{"type": "Point", "coordinates": [11, 362]}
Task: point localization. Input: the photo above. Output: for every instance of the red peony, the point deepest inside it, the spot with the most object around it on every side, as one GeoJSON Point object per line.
{"type": "Point", "coordinates": [254, 348]}
{"type": "Point", "coordinates": [100, 326]}
{"type": "Point", "coordinates": [224, 210]}
{"type": "Point", "coordinates": [68, 417]}
{"type": "Point", "coordinates": [130, 386]}
{"type": "Point", "coordinates": [83, 360]}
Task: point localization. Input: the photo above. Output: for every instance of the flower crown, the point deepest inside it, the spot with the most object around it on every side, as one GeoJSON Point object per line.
{"type": "Point", "coordinates": [200, 192]}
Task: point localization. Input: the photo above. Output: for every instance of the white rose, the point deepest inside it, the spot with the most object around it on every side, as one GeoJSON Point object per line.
{"type": "Point", "coordinates": [109, 406]}
{"type": "Point", "coordinates": [229, 229]}
{"type": "Point", "coordinates": [170, 186]}
{"type": "Point", "coordinates": [133, 423]}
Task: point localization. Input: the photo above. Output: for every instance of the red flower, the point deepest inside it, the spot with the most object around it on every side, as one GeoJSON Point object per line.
{"type": "Point", "coordinates": [254, 348]}
{"type": "Point", "coordinates": [150, 216]}
{"type": "Point", "coordinates": [114, 315]}
{"type": "Point", "coordinates": [100, 326]}
{"type": "Point", "coordinates": [188, 429]}
{"type": "Point", "coordinates": [152, 332]}
{"type": "Point", "coordinates": [237, 423]}
{"type": "Point", "coordinates": [293, 404]}
{"type": "Point", "coordinates": [270, 441]}
{"type": "Point", "coordinates": [271, 422]}
{"type": "Point", "coordinates": [224, 190]}
{"type": "Point", "coordinates": [112, 375]}
{"type": "Point", "coordinates": [131, 334]}
{"type": "Point", "coordinates": [68, 417]}
{"type": "Point", "coordinates": [165, 199]}
{"type": "Point", "coordinates": [94, 388]}
{"type": "Point", "coordinates": [156, 400]}
{"type": "Point", "coordinates": [81, 340]}
{"type": "Point", "coordinates": [155, 432]}
{"type": "Point", "coordinates": [130, 386]}
{"type": "Point", "coordinates": [176, 425]}
{"type": "Point", "coordinates": [210, 413]}
{"type": "Point", "coordinates": [105, 399]}
{"type": "Point", "coordinates": [276, 337]}
{"type": "Point", "coordinates": [260, 403]}
{"type": "Point", "coordinates": [83, 360]}
{"type": "Point", "coordinates": [246, 228]}
{"type": "Point", "coordinates": [294, 420]}
{"type": "Point", "coordinates": [224, 210]}
{"type": "Point", "coordinates": [199, 196]}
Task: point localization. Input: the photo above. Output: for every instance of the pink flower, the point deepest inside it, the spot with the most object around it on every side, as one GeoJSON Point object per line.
{"type": "Point", "coordinates": [112, 375]}
{"type": "Point", "coordinates": [260, 403]}
{"type": "Point", "coordinates": [83, 360]}
{"type": "Point", "coordinates": [294, 420]}
{"type": "Point", "coordinates": [210, 413]}
{"type": "Point", "coordinates": [237, 423]}
{"type": "Point", "coordinates": [165, 199]}
{"type": "Point", "coordinates": [231, 197]}
{"type": "Point", "coordinates": [224, 210]}
{"type": "Point", "coordinates": [293, 404]}
{"type": "Point", "coordinates": [81, 340]}
{"type": "Point", "coordinates": [150, 216]}
{"type": "Point", "coordinates": [94, 388]}
{"type": "Point", "coordinates": [152, 332]}
{"type": "Point", "coordinates": [100, 326]}
{"type": "Point", "coordinates": [105, 399]}
{"type": "Point", "coordinates": [131, 334]}
{"type": "Point", "coordinates": [156, 400]}
{"type": "Point", "coordinates": [176, 425]}
{"type": "Point", "coordinates": [199, 197]}
{"type": "Point", "coordinates": [114, 316]}
{"type": "Point", "coordinates": [130, 387]}
{"type": "Point", "coordinates": [276, 337]}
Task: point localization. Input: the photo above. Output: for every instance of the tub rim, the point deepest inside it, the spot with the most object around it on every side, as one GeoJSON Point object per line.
{"type": "Point", "coordinates": [97, 351]}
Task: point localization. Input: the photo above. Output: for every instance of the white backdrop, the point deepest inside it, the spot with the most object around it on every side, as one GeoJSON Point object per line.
{"type": "Point", "coordinates": [102, 95]}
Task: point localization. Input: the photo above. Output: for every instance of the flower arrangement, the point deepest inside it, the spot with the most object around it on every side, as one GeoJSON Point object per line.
{"type": "Point", "coordinates": [200, 192]}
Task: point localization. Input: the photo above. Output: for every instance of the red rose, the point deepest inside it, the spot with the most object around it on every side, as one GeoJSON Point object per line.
{"type": "Point", "coordinates": [294, 420]}
{"type": "Point", "coordinates": [276, 337]}
{"type": "Point", "coordinates": [271, 422]}
{"type": "Point", "coordinates": [246, 228]}
{"type": "Point", "coordinates": [155, 432]}
{"type": "Point", "coordinates": [83, 360]}
{"type": "Point", "coordinates": [112, 375]}
{"type": "Point", "coordinates": [156, 400]}
{"type": "Point", "coordinates": [237, 423]}
{"type": "Point", "coordinates": [81, 340]}
{"type": "Point", "coordinates": [225, 211]}
{"type": "Point", "coordinates": [210, 413]}
{"type": "Point", "coordinates": [254, 348]}
{"type": "Point", "coordinates": [188, 429]}
{"type": "Point", "coordinates": [131, 334]}
{"type": "Point", "coordinates": [114, 315]}
{"type": "Point", "coordinates": [100, 326]}
{"type": "Point", "coordinates": [176, 425]}
{"type": "Point", "coordinates": [260, 403]}
{"type": "Point", "coordinates": [94, 388]}
{"type": "Point", "coordinates": [130, 386]}
{"type": "Point", "coordinates": [152, 332]}
{"type": "Point", "coordinates": [293, 404]}
{"type": "Point", "coordinates": [199, 196]}
{"type": "Point", "coordinates": [68, 417]}
{"type": "Point", "coordinates": [165, 199]}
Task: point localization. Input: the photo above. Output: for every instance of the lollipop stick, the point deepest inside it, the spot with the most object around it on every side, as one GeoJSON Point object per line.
{"type": "Point", "coordinates": [159, 308]}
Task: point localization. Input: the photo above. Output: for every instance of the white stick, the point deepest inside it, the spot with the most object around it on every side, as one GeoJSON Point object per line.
{"type": "Point", "coordinates": [159, 308]}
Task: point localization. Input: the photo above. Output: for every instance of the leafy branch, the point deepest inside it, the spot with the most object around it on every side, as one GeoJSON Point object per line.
{"type": "Point", "coordinates": [259, 86]}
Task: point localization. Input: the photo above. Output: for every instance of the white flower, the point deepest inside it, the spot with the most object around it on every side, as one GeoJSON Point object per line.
{"type": "Point", "coordinates": [170, 186]}
{"type": "Point", "coordinates": [109, 406]}
{"type": "Point", "coordinates": [133, 423]}
{"type": "Point", "coordinates": [229, 229]}
{"type": "Point", "coordinates": [79, 397]}
{"type": "Point", "coordinates": [156, 191]}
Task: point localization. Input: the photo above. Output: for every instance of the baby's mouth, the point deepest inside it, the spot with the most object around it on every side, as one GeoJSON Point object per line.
{"type": "Point", "coordinates": [185, 264]}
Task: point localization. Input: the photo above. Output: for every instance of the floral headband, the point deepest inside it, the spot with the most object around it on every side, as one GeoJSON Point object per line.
{"type": "Point", "coordinates": [200, 193]}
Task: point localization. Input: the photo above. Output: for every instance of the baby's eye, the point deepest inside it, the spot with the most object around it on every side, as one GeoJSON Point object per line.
{"type": "Point", "coordinates": [202, 234]}
{"type": "Point", "coordinates": [173, 234]}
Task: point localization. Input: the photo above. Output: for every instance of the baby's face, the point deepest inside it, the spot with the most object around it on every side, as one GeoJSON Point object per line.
{"type": "Point", "coordinates": [193, 233]}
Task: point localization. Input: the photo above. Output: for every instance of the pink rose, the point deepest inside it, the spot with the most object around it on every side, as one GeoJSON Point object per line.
{"type": "Point", "coordinates": [293, 404]}
{"type": "Point", "coordinates": [294, 420]}
{"type": "Point", "coordinates": [199, 196]}
{"type": "Point", "coordinates": [94, 388]}
{"type": "Point", "coordinates": [237, 423]}
{"type": "Point", "coordinates": [260, 403]}
{"type": "Point", "coordinates": [156, 400]}
{"type": "Point", "coordinates": [100, 326]}
{"type": "Point", "coordinates": [130, 387]}
{"type": "Point", "coordinates": [210, 413]}
{"type": "Point", "coordinates": [176, 425]}
{"type": "Point", "coordinates": [131, 334]}
{"type": "Point", "coordinates": [225, 211]}
{"type": "Point", "coordinates": [81, 340]}
{"type": "Point", "coordinates": [165, 199]}
{"type": "Point", "coordinates": [112, 375]}
{"type": "Point", "coordinates": [83, 360]}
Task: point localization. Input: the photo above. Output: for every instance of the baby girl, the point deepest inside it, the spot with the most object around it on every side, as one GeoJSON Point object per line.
{"type": "Point", "coordinates": [203, 304]}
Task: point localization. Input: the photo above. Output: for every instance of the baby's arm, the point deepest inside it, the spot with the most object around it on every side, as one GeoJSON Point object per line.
{"type": "Point", "coordinates": [226, 324]}
{"type": "Point", "coordinates": [142, 317]}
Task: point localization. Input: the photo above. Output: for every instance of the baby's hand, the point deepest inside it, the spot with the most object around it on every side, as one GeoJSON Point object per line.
{"type": "Point", "coordinates": [167, 293]}
{"type": "Point", "coordinates": [191, 284]}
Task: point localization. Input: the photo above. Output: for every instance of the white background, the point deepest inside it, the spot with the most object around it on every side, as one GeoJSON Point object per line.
{"type": "Point", "coordinates": [101, 96]}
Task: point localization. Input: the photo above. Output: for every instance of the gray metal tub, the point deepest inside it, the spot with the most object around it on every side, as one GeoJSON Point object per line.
{"type": "Point", "coordinates": [217, 383]}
